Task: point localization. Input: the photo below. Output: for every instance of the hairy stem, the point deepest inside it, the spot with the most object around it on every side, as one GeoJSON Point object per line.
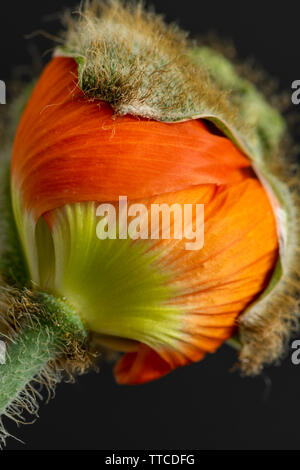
{"type": "Point", "coordinates": [50, 331]}
{"type": "Point", "coordinates": [27, 356]}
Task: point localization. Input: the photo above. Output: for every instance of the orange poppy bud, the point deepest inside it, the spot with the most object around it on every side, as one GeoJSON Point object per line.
{"type": "Point", "coordinates": [154, 212]}
{"type": "Point", "coordinates": [172, 304]}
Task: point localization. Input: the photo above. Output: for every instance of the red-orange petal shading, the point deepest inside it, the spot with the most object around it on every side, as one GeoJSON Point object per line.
{"type": "Point", "coordinates": [69, 150]}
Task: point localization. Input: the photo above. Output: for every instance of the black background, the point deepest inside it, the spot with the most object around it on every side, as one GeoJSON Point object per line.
{"type": "Point", "coordinates": [202, 406]}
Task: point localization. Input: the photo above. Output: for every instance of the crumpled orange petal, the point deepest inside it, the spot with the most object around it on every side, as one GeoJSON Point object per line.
{"type": "Point", "coordinates": [140, 367]}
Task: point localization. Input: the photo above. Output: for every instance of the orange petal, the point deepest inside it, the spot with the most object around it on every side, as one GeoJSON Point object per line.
{"type": "Point", "coordinates": [139, 367]}
{"type": "Point", "coordinates": [216, 283]}
{"type": "Point", "coordinates": [69, 150]}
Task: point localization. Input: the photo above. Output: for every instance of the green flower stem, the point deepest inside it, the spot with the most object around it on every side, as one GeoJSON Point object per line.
{"type": "Point", "coordinates": [50, 329]}
{"type": "Point", "coordinates": [26, 357]}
